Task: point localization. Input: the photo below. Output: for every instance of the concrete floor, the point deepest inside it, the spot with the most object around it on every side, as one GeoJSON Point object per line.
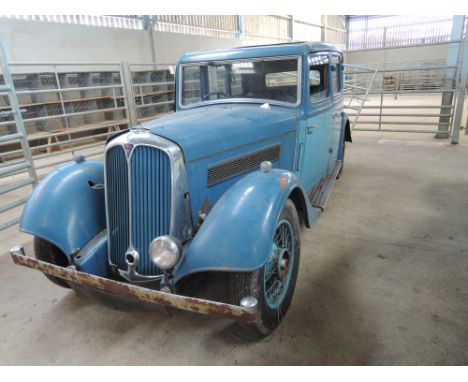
{"type": "Point", "coordinates": [383, 281]}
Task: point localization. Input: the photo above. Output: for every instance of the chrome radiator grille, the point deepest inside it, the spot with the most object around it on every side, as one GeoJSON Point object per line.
{"type": "Point", "coordinates": [151, 201]}
{"type": "Point", "coordinates": [117, 205]}
{"type": "Point", "coordinates": [148, 206]}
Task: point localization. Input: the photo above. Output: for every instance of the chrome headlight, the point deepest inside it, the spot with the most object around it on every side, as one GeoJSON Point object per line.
{"type": "Point", "coordinates": [165, 252]}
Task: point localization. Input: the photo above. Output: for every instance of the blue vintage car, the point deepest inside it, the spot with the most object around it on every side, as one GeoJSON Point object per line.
{"type": "Point", "coordinates": [216, 191]}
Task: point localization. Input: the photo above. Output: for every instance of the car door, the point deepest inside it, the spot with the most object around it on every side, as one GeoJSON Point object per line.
{"type": "Point", "coordinates": [336, 121]}
{"type": "Point", "coordinates": [317, 135]}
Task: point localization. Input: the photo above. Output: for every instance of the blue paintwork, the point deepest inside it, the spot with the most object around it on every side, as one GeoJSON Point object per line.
{"type": "Point", "coordinates": [203, 198]}
{"type": "Point", "coordinates": [64, 210]}
{"type": "Point", "coordinates": [243, 211]}
{"type": "Point", "coordinates": [205, 131]}
{"type": "Point", "coordinates": [206, 142]}
{"type": "Point", "coordinates": [96, 262]}
{"type": "Point", "coordinates": [237, 234]}
{"type": "Point", "coordinates": [289, 49]}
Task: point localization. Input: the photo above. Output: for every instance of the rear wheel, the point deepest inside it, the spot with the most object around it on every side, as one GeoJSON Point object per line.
{"type": "Point", "coordinates": [273, 285]}
{"type": "Point", "coordinates": [45, 251]}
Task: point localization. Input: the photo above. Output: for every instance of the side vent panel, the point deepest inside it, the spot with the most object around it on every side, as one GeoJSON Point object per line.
{"type": "Point", "coordinates": [245, 163]}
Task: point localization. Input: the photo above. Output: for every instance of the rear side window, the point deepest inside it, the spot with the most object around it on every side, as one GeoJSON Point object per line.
{"type": "Point", "coordinates": [318, 77]}
{"type": "Point", "coordinates": [336, 74]}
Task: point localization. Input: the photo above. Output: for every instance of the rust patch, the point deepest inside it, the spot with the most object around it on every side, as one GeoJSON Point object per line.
{"type": "Point", "coordinates": [139, 293]}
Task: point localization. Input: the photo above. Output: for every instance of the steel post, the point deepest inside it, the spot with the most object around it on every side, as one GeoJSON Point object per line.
{"type": "Point", "coordinates": [461, 91]}
{"type": "Point", "coordinates": [240, 27]}
{"type": "Point", "coordinates": [452, 60]}
{"type": "Point", "coordinates": [129, 96]}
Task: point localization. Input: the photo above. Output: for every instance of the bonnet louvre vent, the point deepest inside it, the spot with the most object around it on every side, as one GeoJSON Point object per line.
{"type": "Point", "coordinates": [241, 164]}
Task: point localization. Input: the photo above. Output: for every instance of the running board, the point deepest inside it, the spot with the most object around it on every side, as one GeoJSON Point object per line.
{"type": "Point", "coordinates": [319, 195]}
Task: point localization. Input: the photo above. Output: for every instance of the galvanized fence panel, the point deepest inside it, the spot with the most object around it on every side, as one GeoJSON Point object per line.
{"type": "Point", "coordinates": [403, 98]}
{"type": "Point", "coordinates": [65, 106]}
{"type": "Point", "coordinates": [153, 88]}
{"type": "Point", "coordinates": [15, 134]}
{"type": "Point", "coordinates": [70, 108]}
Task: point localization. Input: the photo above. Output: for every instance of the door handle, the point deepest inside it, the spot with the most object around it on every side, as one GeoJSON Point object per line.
{"type": "Point", "coordinates": [299, 156]}
{"type": "Point", "coordinates": [336, 115]}
{"type": "Point", "coordinates": [310, 128]}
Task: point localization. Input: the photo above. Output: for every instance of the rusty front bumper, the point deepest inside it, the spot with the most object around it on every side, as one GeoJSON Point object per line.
{"type": "Point", "coordinates": [247, 312]}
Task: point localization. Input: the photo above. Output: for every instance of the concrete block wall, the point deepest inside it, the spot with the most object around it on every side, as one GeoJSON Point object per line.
{"type": "Point", "coordinates": [35, 41]}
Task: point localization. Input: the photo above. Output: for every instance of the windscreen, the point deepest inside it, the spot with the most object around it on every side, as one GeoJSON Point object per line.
{"type": "Point", "coordinates": [265, 80]}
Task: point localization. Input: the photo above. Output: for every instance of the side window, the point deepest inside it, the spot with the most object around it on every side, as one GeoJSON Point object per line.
{"type": "Point", "coordinates": [318, 77]}
{"type": "Point", "coordinates": [336, 74]}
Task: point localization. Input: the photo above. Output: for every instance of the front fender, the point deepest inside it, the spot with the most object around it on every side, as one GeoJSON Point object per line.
{"type": "Point", "coordinates": [64, 210]}
{"type": "Point", "coordinates": [238, 232]}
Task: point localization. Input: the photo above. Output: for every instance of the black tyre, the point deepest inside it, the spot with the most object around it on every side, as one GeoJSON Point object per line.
{"type": "Point", "coordinates": [45, 251]}
{"type": "Point", "coordinates": [273, 285]}
{"type": "Point", "coordinates": [342, 161]}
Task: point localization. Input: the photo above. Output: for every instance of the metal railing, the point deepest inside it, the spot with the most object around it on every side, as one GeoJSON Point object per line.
{"type": "Point", "coordinates": [358, 82]}
{"type": "Point", "coordinates": [70, 108]}
{"type": "Point", "coordinates": [64, 106]}
{"type": "Point", "coordinates": [153, 88]}
{"type": "Point", "coordinates": [17, 135]}
{"type": "Point", "coordinates": [394, 102]}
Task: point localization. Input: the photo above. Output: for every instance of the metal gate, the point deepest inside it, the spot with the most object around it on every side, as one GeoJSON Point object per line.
{"type": "Point", "coordinates": [16, 133]}
{"type": "Point", "coordinates": [68, 108]}
{"type": "Point", "coordinates": [403, 97]}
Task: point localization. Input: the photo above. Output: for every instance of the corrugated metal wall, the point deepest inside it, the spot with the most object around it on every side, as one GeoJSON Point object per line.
{"type": "Point", "coordinates": [255, 28]}
{"type": "Point", "coordinates": [367, 32]}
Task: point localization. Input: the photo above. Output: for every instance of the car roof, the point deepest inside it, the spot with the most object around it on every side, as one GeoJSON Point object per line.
{"type": "Point", "coordinates": [282, 49]}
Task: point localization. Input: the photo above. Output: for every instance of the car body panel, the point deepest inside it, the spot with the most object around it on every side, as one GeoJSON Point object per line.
{"type": "Point", "coordinates": [64, 209]}
{"type": "Point", "coordinates": [237, 233]}
{"type": "Point", "coordinates": [204, 131]}
{"type": "Point", "coordinates": [233, 219]}
{"type": "Point", "coordinates": [287, 49]}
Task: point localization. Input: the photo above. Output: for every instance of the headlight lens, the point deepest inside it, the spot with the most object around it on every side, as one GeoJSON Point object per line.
{"type": "Point", "coordinates": [165, 252]}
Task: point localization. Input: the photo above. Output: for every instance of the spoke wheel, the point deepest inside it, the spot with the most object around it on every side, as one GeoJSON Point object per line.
{"type": "Point", "coordinates": [278, 269]}
{"type": "Point", "coordinates": [274, 283]}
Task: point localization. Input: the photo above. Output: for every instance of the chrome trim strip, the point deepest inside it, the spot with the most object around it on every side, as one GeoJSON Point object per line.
{"type": "Point", "coordinates": [180, 222]}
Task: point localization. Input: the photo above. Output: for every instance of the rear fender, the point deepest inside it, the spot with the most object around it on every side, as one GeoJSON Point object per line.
{"type": "Point", "coordinates": [345, 136]}
{"type": "Point", "coordinates": [237, 234]}
{"type": "Point", "coordinates": [63, 208]}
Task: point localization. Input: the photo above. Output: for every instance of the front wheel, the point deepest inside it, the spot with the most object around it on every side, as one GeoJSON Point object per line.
{"type": "Point", "coordinates": [273, 285]}
{"type": "Point", "coordinates": [45, 251]}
